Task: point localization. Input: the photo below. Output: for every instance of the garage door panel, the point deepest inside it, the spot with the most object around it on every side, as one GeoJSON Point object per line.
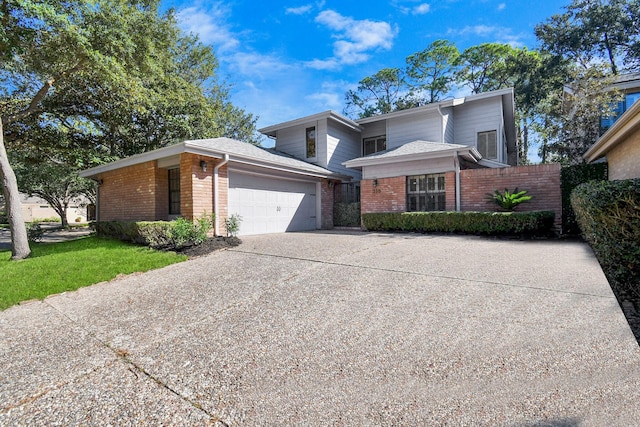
{"type": "Point", "coordinates": [271, 205]}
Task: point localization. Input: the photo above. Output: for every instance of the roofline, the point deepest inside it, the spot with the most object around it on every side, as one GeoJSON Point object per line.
{"type": "Point", "coordinates": [372, 161]}
{"type": "Point", "coordinates": [190, 147]}
{"type": "Point", "coordinates": [435, 105]}
{"type": "Point", "coordinates": [615, 134]}
{"type": "Point", "coordinates": [329, 115]}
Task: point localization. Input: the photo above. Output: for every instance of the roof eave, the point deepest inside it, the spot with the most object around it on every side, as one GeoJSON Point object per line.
{"type": "Point", "coordinates": [470, 153]}
{"type": "Point", "coordinates": [329, 115]}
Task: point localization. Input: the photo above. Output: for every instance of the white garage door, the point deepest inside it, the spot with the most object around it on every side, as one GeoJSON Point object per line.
{"type": "Point", "coordinates": [271, 205]}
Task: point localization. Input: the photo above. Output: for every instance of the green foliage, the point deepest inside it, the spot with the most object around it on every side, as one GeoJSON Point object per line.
{"type": "Point", "coordinates": [508, 200]}
{"type": "Point", "coordinates": [169, 235]}
{"type": "Point", "coordinates": [432, 71]}
{"type": "Point", "coordinates": [60, 267]}
{"type": "Point", "coordinates": [491, 223]}
{"type": "Point", "coordinates": [608, 213]}
{"type": "Point", "coordinates": [232, 225]}
{"type": "Point", "coordinates": [570, 178]}
{"type": "Point", "coordinates": [34, 232]}
{"type": "Point", "coordinates": [346, 214]}
{"type": "Point", "coordinates": [378, 94]}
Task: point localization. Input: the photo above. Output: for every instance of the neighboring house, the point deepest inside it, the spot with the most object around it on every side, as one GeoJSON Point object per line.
{"type": "Point", "coordinates": [620, 145]}
{"type": "Point", "coordinates": [36, 209]}
{"type": "Point", "coordinates": [291, 187]}
{"type": "Point", "coordinates": [629, 86]}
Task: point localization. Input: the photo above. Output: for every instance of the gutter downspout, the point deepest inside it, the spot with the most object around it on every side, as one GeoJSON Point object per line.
{"type": "Point", "coordinates": [441, 125]}
{"type": "Point", "coordinates": [456, 162]}
{"type": "Point", "coordinates": [216, 209]}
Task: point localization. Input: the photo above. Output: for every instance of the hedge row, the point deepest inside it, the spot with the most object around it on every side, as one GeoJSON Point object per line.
{"type": "Point", "coordinates": [492, 223]}
{"type": "Point", "coordinates": [608, 213]}
{"type": "Point", "coordinates": [158, 234]}
{"type": "Point", "coordinates": [346, 214]}
{"type": "Point", "coordinates": [570, 178]}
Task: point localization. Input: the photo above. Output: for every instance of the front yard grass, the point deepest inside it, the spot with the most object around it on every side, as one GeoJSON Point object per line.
{"type": "Point", "coordinates": [66, 266]}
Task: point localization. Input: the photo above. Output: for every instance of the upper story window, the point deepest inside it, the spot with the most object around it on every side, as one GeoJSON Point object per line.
{"type": "Point", "coordinates": [488, 144]}
{"type": "Point", "coordinates": [617, 109]}
{"type": "Point", "coordinates": [373, 145]}
{"type": "Point", "coordinates": [311, 142]}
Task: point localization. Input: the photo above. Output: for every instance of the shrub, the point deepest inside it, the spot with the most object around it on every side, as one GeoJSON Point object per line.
{"type": "Point", "coordinates": [492, 223]}
{"type": "Point", "coordinates": [232, 225]}
{"type": "Point", "coordinates": [34, 232]}
{"type": "Point", "coordinates": [509, 199]}
{"type": "Point", "coordinates": [158, 234]}
{"type": "Point", "coordinates": [570, 178]}
{"type": "Point", "coordinates": [608, 213]}
{"type": "Point", "coordinates": [346, 214]}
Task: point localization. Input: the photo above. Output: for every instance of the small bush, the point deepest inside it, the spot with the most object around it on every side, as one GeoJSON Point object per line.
{"type": "Point", "coordinates": [608, 213]}
{"type": "Point", "coordinates": [509, 199]}
{"type": "Point", "coordinates": [3, 218]}
{"type": "Point", "coordinates": [34, 232]}
{"type": "Point", "coordinates": [232, 225]}
{"type": "Point", "coordinates": [491, 223]}
{"type": "Point", "coordinates": [346, 214]}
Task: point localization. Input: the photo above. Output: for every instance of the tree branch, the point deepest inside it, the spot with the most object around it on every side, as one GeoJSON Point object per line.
{"type": "Point", "coordinates": [42, 92]}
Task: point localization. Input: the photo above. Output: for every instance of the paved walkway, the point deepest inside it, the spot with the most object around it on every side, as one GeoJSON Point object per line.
{"type": "Point", "coordinates": [332, 328]}
{"type": "Point", "coordinates": [49, 236]}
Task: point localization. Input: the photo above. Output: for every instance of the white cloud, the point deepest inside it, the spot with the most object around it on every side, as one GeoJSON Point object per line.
{"type": "Point", "coordinates": [210, 25]}
{"type": "Point", "coordinates": [256, 64]}
{"type": "Point", "coordinates": [301, 10]}
{"type": "Point", "coordinates": [502, 6]}
{"type": "Point", "coordinates": [326, 100]}
{"type": "Point", "coordinates": [355, 38]}
{"type": "Point", "coordinates": [497, 34]}
{"type": "Point", "coordinates": [421, 9]}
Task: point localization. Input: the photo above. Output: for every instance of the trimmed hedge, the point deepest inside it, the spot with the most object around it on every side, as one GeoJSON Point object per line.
{"type": "Point", "coordinates": [156, 234]}
{"type": "Point", "coordinates": [570, 178]}
{"type": "Point", "coordinates": [492, 223]}
{"type": "Point", "coordinates": [608, 213]}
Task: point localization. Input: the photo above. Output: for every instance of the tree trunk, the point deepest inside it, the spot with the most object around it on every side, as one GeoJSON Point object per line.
{"type": "Point", "coordinates": [19, 240]}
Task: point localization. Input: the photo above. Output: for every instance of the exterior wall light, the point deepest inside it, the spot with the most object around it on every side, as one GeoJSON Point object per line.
{"type": "Point", "coordinates": [203, 165]}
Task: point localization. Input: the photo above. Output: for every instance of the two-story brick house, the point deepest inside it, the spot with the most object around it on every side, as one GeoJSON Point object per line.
{"type": "Point", "coordinates": [405, 160]}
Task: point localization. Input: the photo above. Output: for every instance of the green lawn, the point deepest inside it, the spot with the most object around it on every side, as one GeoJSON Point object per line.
{"type": "Point", "coordinates": [58, 267]}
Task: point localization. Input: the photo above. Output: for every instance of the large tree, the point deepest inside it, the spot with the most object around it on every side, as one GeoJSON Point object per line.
{"type": "Point", "coordinates": [589, 31]}
{"type": "Point", "coordinates": [431, 71]}
{"type": "Point", "coordinates": [381, 93]}
{"type": "Point", "coordinates": [116, 73]}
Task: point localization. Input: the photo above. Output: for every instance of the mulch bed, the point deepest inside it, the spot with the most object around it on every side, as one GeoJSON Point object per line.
{"type": "Point", "coordinates": [210, 245]}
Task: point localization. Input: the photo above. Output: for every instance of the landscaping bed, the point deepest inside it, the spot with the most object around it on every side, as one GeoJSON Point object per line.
{"type": "Point", "coordinates": [212, 244]}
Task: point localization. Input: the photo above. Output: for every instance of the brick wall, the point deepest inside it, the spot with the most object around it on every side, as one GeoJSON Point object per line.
{"type": "Point", "coordinates": [129, 194]}
{"type": "Point", "coordinates": [390, 195]}
{"type": "Point", "coordinates": [541, 181]}
{"type": "Point", "coordinates": [326, 203]}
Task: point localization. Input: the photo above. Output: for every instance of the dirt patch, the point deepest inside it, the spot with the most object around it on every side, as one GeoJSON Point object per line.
{"type": "Point", "coordinates": [210, 245]}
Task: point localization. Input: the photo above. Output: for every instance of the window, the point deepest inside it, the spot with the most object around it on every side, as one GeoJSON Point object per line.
{"type": "Point", "coordinates": [488, 144]}
{"type": "Point", "coordinates": [174, 191]}
{"type": "Point", "coordinates": [373, 145]}
{"type": "Point", "coordinates": [311, 142]}
{"type": "Point", "coordinates": [425, 193]}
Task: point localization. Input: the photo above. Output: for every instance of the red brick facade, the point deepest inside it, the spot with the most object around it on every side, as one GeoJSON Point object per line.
{"type": "Point", "coordinates": [541, 181]}
{"type": "Point", "coordinates": [141, 192]}
{"type": "Point", "coordinates": [134, 193]}
{"type": "Point", "coordinates": [383, 195]}
{"type": "Point", "coordinates": [326, 201]}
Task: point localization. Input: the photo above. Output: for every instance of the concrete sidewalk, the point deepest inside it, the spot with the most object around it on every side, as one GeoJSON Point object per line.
{"type": "Point", "coordinates": [332, 328]}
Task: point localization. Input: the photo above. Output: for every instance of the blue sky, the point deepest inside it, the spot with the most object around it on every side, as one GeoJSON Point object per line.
{"type": "Point", "coordinates": [288, 59]}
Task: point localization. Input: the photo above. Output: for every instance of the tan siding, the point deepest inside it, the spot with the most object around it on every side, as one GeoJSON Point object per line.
{"type": "Point", "coordinates": [624, 159]}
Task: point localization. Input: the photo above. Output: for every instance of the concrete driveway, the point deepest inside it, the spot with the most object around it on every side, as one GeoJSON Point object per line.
{"type": "Point", "coordinates": [332, 329]}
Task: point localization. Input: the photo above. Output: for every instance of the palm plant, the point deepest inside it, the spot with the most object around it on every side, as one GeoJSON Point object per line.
{"type": "Point", "coordinates": [509, 199]}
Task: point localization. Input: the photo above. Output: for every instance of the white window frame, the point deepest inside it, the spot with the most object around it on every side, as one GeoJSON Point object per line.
{"type": "Point", "coordinates": [314, 129]}
{"type": "Point", "coordinates": [379, 141]}
{"type": "Point", "coordinates": [497, 144]}
{"type": "Point", "coordinates": [423, 193]}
